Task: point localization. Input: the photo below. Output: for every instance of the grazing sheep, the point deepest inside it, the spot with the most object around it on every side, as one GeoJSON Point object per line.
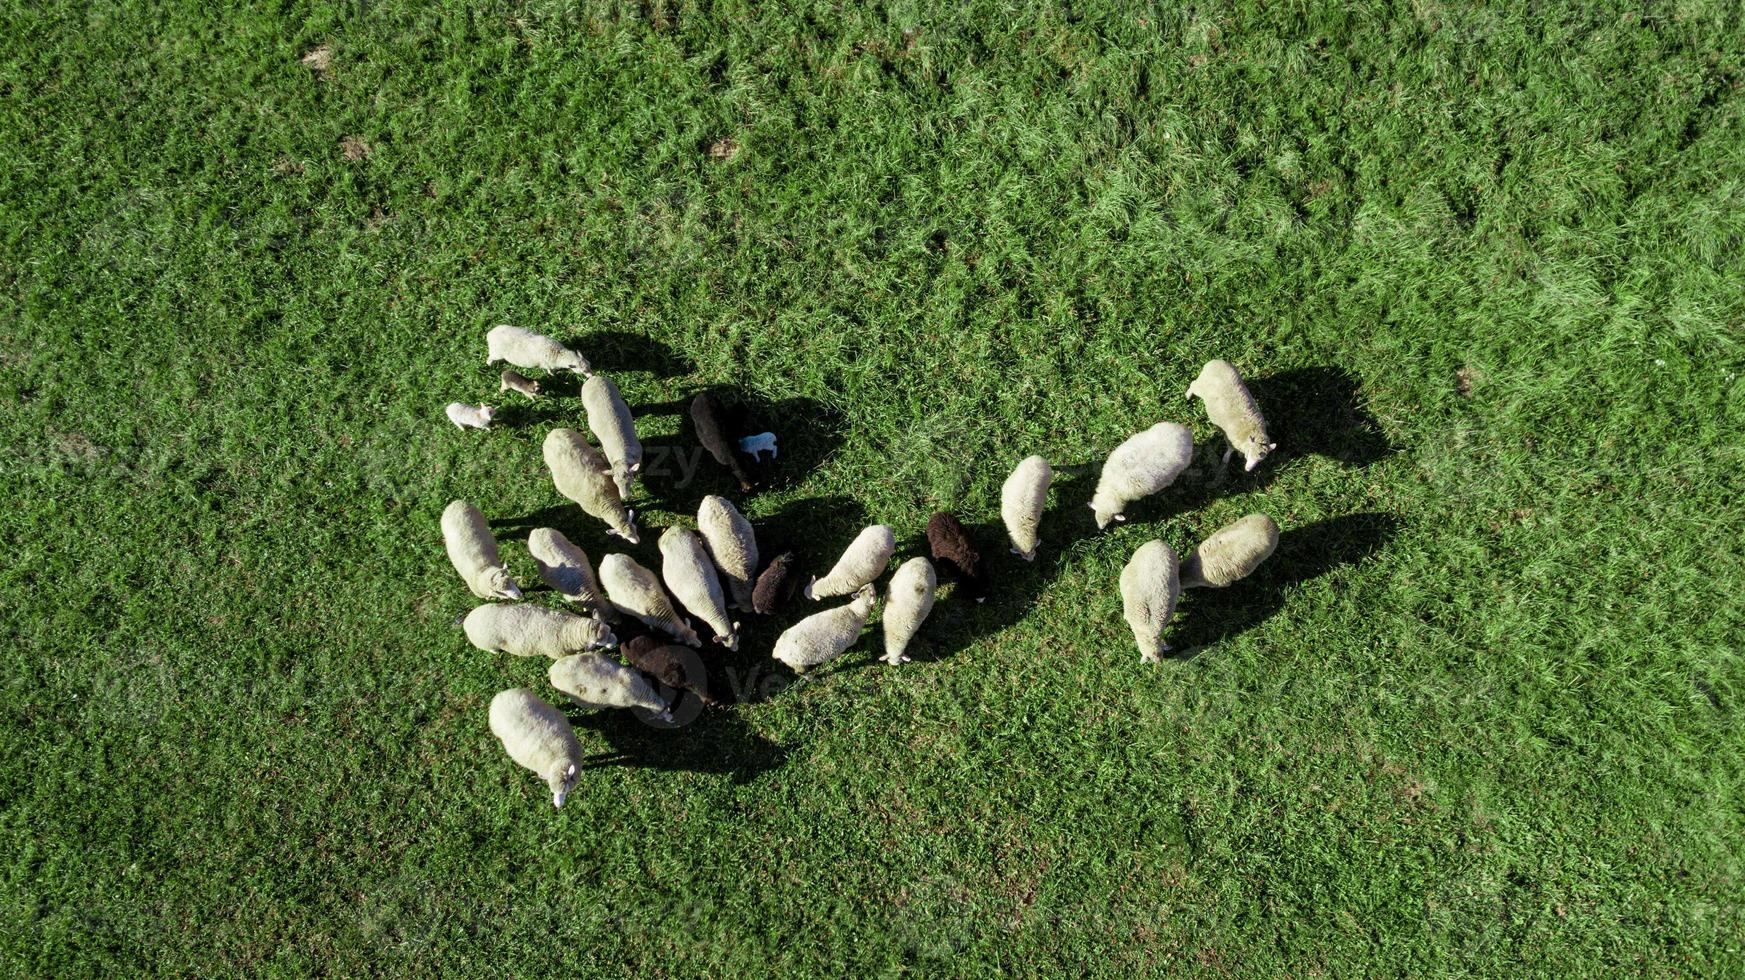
{"type": "Point", "coordinates": [907, 604]}
{"type": "Point", "coordinates": [581, 474]}
{"type": "Point", "coordinates": [950, 542]}
{"type": "Point", "coordinates": [609, 419]}
{"type": "Point", "coordinates": [711, 425]}
{"type": "Point", "coordinates": [691, 578]}
{"type": "Point", "coordinates": [1022, 498]}
{"type": "Point", "coordinates": [756, 446]}
{"type": "Point", "coordinates": [863, 561]}
{"type": "Point", "coordinates": [1231, 554]}
{"type": "Point", "coordinates": [1233, 410]}
{"type": "Point", "coordinates": [824, 636]}
{"type": "Point", "coordinates": [668, 664]}
{"type": "Point", "coordinates": [732, 544]}
{"type": "Point", "coordinates": [526, 349]}
{"type": "Point", "coordinates": [565, 568]}
{"type": "Point", "coordinates": [474, 553]}
{"type": "Point", "coordinates": [465, 416]}
{"type": "Point", "coordinates": [595, 681]}
{"type": "Point", "coordinates": [635, 590]}
{"type": "Point", "coordinates": [515, 381]}
{"type": "Point", "coordinates": [1150, 587]}
{"type": "Point", "coordinates": [526, 630]}
{"type": "Point", "coordinates": [776, 585]}
{"type": "Point", "coordinates": [539, 738]}
{"type": "Point", "coordinates": [1141, 466]}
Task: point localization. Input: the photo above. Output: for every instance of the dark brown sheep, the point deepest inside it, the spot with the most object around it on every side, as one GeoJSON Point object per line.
{"type": "Point", "coordinates": [714, 434]}
{"type": "Point", "coordinates": [676, 667]}
{"type": "Point", "coordinates": [951, 547]}
{"type": "Point", "coordinates": [776, 585]}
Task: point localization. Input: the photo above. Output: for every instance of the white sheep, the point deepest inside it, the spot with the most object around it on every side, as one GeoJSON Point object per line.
{"type": "Point", "coordinates": [465, 416]}
{"type": "Point", "coordinates": [526, 630]}
{"type": "Point", "coordinates": [907, 603]}
{"type": "Point", "coordinates": [635, 590]}
{"type": "Point", "coordinates": [1022, 498]}
{"type": "Point", "coordinates": [594, 681]}
{"type": "Point", "coordinates": [824, 636]}
{"type": "Point", "coordinates": [539, 738]}
{"type": "Point", "coordinates": [1233, 410]}
{"type": "Point", "coordinates": [516, 381]}
{"type": "Point", "coordinates": [690, 577]}
{"type": "Point", "coordinates": [580, 473]}
{"type": "Point", "coordinates": [473, 551]}
{"type": "Point", "coordinates": [1150, 587]}
{"type": "Point", "coordinates": [863, 561]}
{"type": "Point", "coordinates": [732, 544]}
{"type": "Point", "coordinates": [524, 348]}
{"type": "Point", "coordinates": [609, 420]}
{"type": "Point", "coordinates": [566, 569]}
{"type": "Point", "coordinates": [1231, 554]}
{"type": "Point", "coordinates": [1144, 464]}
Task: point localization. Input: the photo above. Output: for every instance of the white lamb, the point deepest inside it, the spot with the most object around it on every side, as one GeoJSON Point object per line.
{"type": "Point", "coordinates": [539, 738]}
{"type": "Point", "coordinates": [566, 569]}
{"type": "Point", "coordinates": [635, 590]}
{"type": "Point", "coordinates": [1233, 410]}
{"type": "Point", "coordinates": [824, 636]}
{"type": "Point", "coordinates": [691, 578]}
{"type": "Point", "coordinates": [581, 474]}
{"type": "Point", "coordinates": [609, 419]}
{"type": "Point", "coordinates": [465, 416]}
{"type": "Point", "coordinates": [862, 562]}
{"type": "Point", "coordinates": [525, 630]}
{"type": "Point", "coordinates": [1149, 590]}
{"type": "Point", "coordinates": [473, 551]}
{"type": "Point", "coordinates": [1022, 498]}
{"type": "Point", "coordinates": [1231, 554]}
{"type": "Point", "coordinates": [524, 348]}
{"type": "Point", "coordinates": [1141, 466]}
{"type": "Point", "coordinates": [595, 681]}
{"type": "Point", "coordinates": [732, 544]}
{"type": "Point", "coordinates": [907, 603]}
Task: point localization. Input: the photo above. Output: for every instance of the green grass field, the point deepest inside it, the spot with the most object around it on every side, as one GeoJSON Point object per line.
{"type": "Point", "coordinates": [1479, 715]}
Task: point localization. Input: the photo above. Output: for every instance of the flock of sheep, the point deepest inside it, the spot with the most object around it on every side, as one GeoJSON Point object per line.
{"type": "Point", "coordinates": [717, 566]}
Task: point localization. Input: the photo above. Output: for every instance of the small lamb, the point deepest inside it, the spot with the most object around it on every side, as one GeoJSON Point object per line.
{"type": "Point", "coordinates": [1022, 498]}
{"type": "Point", "coordinates": [539, 738]}
{"type": "Point", "coordinates": [691, 578]}
{"type": "Point", "coordinates": [862, 562]}
{"type": "Point", "coordinates": [776, 585]}
{"type": "Point", "coordinates": [595, 681]}
{"type": "Point", "coordinates": [756, 446]}
{"type": "Point", "coordinates": [1150, 587]}
{"type": "Point", "coordinates": [824, 636]}
{"type": "Point", "coordinates": [1233, 410]}
{"type": "Point", "coordinates": [951, 546]}
{"type": "Point", "coordinates": [711, 425]}
{"type": "Point", "coordinates": [525, 630]}
{"type": "Point", "coordinates": [732, 544]}
{"type": "Point", "coordinates": [473, 550]}
{"type": "Point", "coordinates": [636, 591]}
{"type": "Point", "coordinates": [907, 604]}
{"type": "Point", "coordinates": [1231, 554]}
{"type": "Point", "coordinates": [526, 349]}
{"type": "Point", "coordinates": [609, 419]}
{"type": "Point", "coordinates": [582, 474]}
{"type": "Point", "coordinates": [1141, 466]}
{"type": "Point", "coordinates": [566, 569]}
{"type": "Point", "coordinates": [515, 381]}
{"type": "Point", "coordinates": [668, 665]}
{"type": "Point", "coordinates": [465, 416]}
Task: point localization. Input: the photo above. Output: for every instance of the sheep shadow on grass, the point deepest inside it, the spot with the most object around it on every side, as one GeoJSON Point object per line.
{"type": "Point", "coordinates": [710, 741]}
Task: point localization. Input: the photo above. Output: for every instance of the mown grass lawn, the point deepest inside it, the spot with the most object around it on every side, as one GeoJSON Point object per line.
{"type": "Point", "coordinates": [1479, 715]}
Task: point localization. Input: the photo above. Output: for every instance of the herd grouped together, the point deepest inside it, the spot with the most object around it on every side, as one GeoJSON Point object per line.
{"type": "Point", "coordinates": [717, 566]}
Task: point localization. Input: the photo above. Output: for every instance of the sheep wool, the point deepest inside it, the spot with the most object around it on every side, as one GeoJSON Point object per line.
{"type": "Point", "coordinates": [1022, 498]}
{"type": "Point", "coordinates": [1233, 410]}
{"type": "Point", "coordinates": [907, 603]}
{"type": "Point", "coordinates": [732, 544]}
{"type": "Point", "coordinates": [635, 590]}
{"type": "Point", "coordinates": [824, 636]}
{"type": "Point", "coordinates": [711, 423]}
{"type": "Point", "coordinates": [862, 562]}
{"type": "Point", "coordinates": [473, 551]}
{"type": "Point", "coordinates": [1149, 590]}
{"type": "Point", "coordinates": [539, 738]}
{"type": "Point", "coordinates": [609, 420]}
{"type": "Point", "coordinates": [581, 474]}
{"type": "Point", "coordinates": [525, 630]}
{"type": "Point", "coordinates": [1231, 554]}
{"type": "Point", "coordinates": [565, 568]}
{"type": "Point", "coordinates": [691, 578]}
{"type": "Point", "coordinates": [466, 416]}
{"type": "Point", "coordinates": [526, 349]}
{"type": "Point", "coordinates": [673, 666]}
{"type": "Point", "coordinates": [1141, 466]}
{"type": "Point", "coordinates": [776, 585]}
{"type": "Point", "coordinates": [515, 381]}
{"type": "Point", "coordinates": [949, 541]}
{"type": "Point", "coordinates": [596, 681]}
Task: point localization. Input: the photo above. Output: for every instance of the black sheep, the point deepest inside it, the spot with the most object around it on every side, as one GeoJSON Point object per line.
{"type": "Point", "coordinates": [667, 664]}
{"type": "Point", "coordinates": [951, 546]}
{"type": "Point", "coordinates": [714, 434]}
{"type": "Point", "coordinates": [776, 585]}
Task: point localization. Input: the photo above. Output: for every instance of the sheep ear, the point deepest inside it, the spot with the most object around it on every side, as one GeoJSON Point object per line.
{"type": "Point", "coordinates": [570, 770]}
{"type": "Point", "coordinates": [1271, 446]}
